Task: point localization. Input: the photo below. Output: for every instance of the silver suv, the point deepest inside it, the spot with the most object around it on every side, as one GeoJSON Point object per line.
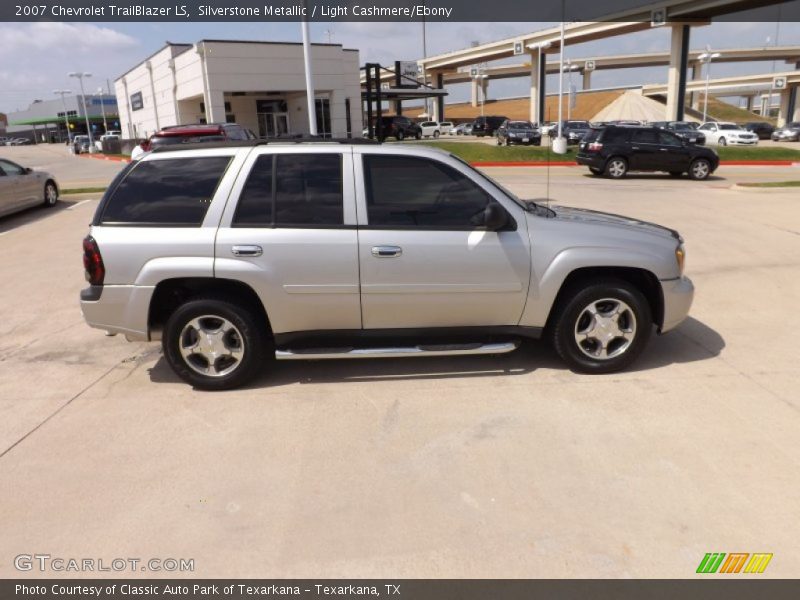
{"type": "Point", "coordinates": [233, 253]}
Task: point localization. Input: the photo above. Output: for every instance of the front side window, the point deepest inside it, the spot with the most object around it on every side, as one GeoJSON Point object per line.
{"type": "Point", "coordinates": [410, 192]}
{"type": "Point", "coordinates": [9, 168]}
{"type": "Point", "coordinates": [668, 139]}
{"type": "Point", "coordinates": [169, 192]}
{"type": "Point", "coordinates": [292, 190]}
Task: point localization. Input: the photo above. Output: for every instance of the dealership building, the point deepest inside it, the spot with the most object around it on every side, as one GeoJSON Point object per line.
{"type": "Point", "coordinates": [259, 85]}
{"type": "Point", "coordinates": [47, 120]}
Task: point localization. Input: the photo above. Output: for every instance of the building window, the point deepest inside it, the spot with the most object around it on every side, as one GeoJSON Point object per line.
{"type": "Point", "coordinates": [349, 124]}
{"type": "Point", "coordinates": [323, 110]}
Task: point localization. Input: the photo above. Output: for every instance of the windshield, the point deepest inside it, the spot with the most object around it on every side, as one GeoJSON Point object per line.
{"type": "Point", "coordinates": [521, 125]}
{"type": "Point", "coordinates": [577, 124]}
{"type": "Point", "coordinates": [729, 127]}
{"type": "Point", "coordinates": [682, 127]}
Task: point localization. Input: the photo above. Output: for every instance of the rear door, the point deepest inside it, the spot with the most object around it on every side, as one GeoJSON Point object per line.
{"type": "Point", "coordinates": [289, 231]}
{"type": "Point", "coordinates": [644, 150]}
{"type": "Point", "coordinates": [426, 261]}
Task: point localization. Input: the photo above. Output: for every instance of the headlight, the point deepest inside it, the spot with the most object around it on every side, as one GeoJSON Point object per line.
{"type": "Point", "coordinates": [512, 135]}
{"type": "Point", "coordinates": [680, 257]}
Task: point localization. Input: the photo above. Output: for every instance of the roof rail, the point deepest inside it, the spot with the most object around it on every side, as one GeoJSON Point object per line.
{"type": "Point", "coordinates": [252, 143]}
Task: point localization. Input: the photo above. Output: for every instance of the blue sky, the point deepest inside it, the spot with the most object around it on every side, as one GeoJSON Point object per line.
{"type": "Point", "coordinates": [37, 56]}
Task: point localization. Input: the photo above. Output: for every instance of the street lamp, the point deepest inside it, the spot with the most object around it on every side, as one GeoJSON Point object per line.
{"type": "Point", "coordinates": [541, 46]}
{"type": "Point", "coordinates": [569, 68]}
{"type": "Point", "coordinates": [80, 76]}
{"type": "Point", "coordinates": [103, 108]}
{"type": "Point", "coordinates": [706, 57]}
{"type": "Point", "coordinates": [63, 93]}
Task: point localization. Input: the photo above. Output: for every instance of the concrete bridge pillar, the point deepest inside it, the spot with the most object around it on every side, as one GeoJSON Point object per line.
{"type": "Point", "coordinates": [676, 76]}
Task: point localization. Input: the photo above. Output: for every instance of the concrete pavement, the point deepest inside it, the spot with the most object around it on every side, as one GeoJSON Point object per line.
{"type": "Point", "coordinates": [473, 467]}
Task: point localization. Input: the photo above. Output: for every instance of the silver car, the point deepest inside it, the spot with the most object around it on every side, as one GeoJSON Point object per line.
{"type": "Point", "coordinates": [332, 250]}
{"type": "Point", "coordinates": [21, 188]}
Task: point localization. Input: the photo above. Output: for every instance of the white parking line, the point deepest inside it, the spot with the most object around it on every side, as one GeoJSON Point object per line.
{"type": "Point", "coordinates": [77, 204]}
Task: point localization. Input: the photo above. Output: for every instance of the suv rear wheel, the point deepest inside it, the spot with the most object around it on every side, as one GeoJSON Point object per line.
{"type": "Point", "coordinates": [602, 327]}
{"type": "Point", "coordinates": [214, 344]}
{"type": "Point", "coordinates": [616, 167]}
{"type": "Point", "coordinates": [400, 135]}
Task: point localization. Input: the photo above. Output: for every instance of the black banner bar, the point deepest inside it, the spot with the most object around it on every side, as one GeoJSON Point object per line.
{"type": "Point", "coordinates": [397, 10]}
{"type": "Point", "coordinates": [712, 588]}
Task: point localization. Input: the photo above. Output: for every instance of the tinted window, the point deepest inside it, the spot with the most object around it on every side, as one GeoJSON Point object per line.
{"type": "Point", "coordinates": [405, 191]}
{"type": "Point", "coordinates": [613, 134]}
{"type": "Point", "coordinates": [306, 192]}
{"type": "Point", "coordinates": [645, 136]}
{"type": "Point", "coordinates": [669, 139]}
{"type": "Point", "coordinates": [176, 191]}
{"type": "Point", "coordinates": [9, 168]}
{"type": "Point", "coordinates": [236, 133]}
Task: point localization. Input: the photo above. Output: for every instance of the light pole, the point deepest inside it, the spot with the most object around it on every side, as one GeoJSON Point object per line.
{"type": "Point", "coordinates": [540, 47]}
{"type": "Point", "coordinates": [63, 93]}
{"type": "Point", "coordinates": [80, 75]}
{"type": "Point", "coordinates": [569, 68]}
{"type": "Point", "coordinates": [103, 108]}
{"type": "Point", "coordinates": [706, 57]}
{"type": "Point", "coordinates": [559, 145]}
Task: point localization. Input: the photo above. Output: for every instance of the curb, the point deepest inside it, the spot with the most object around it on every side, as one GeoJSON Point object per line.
{"type": "Point", "coordinates": [724, 163]}
{"type": "Point", "coordinates": [101, 157]}
{"type": "Point", "coordinates": [762, 190]}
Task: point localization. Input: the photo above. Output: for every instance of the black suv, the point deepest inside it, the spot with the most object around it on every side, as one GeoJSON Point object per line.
{"type": "Point", "coordinates": [398, 128]}
{"type": "Point", "coordinates": [615, 150]}
{"type": "Point", "coordinates": [761, 129]}
{"type": "Point", "coordinates": [483, 126]}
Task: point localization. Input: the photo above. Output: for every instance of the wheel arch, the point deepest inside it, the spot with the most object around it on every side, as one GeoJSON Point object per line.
{"type": "Point", "coordinates": [642, 279]}
{"type": "Point", "coordinates": [169, 294]}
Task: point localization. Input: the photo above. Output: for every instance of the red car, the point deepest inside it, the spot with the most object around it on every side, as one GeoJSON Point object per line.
{"type": "Point", "coordinates": [187, 134]}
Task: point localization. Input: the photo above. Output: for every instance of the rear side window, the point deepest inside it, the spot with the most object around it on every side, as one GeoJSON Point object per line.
{"type": "Point", "coordinates": [645, 136]}
{"type": "Point", "coordinates": [613, 135]}
{"type": "Point", "coordinates": [292, 190]}
{"type": "Point", "coordinates": [170, 192]}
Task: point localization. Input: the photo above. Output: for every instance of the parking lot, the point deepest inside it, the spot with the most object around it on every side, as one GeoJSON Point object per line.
{"type": "Point", "coordinates": [506, 466]}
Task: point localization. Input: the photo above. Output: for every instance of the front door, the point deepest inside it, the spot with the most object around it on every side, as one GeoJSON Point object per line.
{"type": "Point", "coordinates": [644, 150]}
{"type": "Point", "coordinates": [425, 259]}
{"type": "Point", "coordinates": [21, 188]}
{"type": "Point", "coordinates": [673, 152]}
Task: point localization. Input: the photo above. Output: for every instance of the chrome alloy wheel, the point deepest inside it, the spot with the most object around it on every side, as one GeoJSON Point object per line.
{"type": "Point", "coordinates": [605, 329]}
{"type": "Point", "coordinates": [50, 194]}
{"type": "Point", "coordinates": [211, 346]}
{"type": "Point", "coordinates": [616, 168]}
{"type": "Point", "coordinates": [700, 169]}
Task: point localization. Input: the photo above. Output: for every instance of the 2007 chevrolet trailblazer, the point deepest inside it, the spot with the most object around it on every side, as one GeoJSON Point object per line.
{"type": "Point", "coordinates": [229, 253]}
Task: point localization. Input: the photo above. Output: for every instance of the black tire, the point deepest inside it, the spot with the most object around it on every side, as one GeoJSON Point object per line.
{"type": "Point", "coordinates": [675, 173]}
{"type": "Point", "coordinates": [499, 141]}
{"type": "Point", "coordinates": [50, 194]}
{"type": "Point", "coordinates": [596, 172]}
{"type": "Point", "coordinates": [616, 167]}
{"type": "Point", "coordinates": [436, 134]}
{"type": "Point", "coordinates": [418, 135]}
{"type": "Point", "coordinates": [572, 313]}
{"type": "Point", "coordinates": [700, 169]}
{"type": "Point", "coordinates": [723, 141]}
{"type": "Point", "coordinates": [400, 136]}
{"type": "Point", "coordinates": [250, 336]}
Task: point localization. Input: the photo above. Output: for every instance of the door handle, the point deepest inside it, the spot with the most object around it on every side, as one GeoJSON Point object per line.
{"type": "Point", "coordinates": [247, 251]}
{"type": "Point", "coordinates": [634, 147]}
{"type": "Point", "coordinates": [386, 251]}
{"type": "Point", "coordinates": [664, 149]}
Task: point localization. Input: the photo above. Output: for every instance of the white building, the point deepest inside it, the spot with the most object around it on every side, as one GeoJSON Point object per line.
{"type": "Point", "coordinates": [260, 85]}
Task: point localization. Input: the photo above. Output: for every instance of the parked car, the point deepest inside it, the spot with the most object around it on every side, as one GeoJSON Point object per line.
{"type": "Point", "coordinates": [615, 150]}
{"type": "Point", "coordinates": [446, 127]}
{"type": "Point", "coordinates": [761, 129]}
{"type": "Point", "coordinates": [724, 134]}
{"type": "Point", "coordinates": [483, 126]}
{"type": "Point", "coordinates": [190, 134]}
{"type": "Point", "coordinates": [80, 144]}
{"type": "Point", "coordinates": [573, 131]}
{"type": "Point", "coordinates": [788, 133]}
{"type": "Point", "coordinates": [323, 250]}
{"type": "Point", "coordinates": [463, 129]}
{"type": "Point", "coordinates": [398, 128]}
{"type": "Point", "coordinates": [547, 128]}
{"type": "Point", "coordinates": [22, 187]}
{"type": "Point", "coordinates": [430, 129]}
{"type": "Point", "coordinates": [683, 129]}
{"type": "Point", "coordinates": [518, 132]}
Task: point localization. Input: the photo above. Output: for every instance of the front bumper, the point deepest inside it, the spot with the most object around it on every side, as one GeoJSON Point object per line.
{"type": "Point", "coordinates": [678, 295]}
{"type": "Point", "coordinates": [737, 142]}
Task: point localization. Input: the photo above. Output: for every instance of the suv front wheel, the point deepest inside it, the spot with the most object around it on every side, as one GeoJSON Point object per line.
{"type": "Point", "coordinates": [213, 343]}
{"type": "Point", "coordinates": [602, 327]}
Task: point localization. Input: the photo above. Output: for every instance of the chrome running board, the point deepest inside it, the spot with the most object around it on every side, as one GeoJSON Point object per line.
{"type": "Point", "coordinates": [398, 352]}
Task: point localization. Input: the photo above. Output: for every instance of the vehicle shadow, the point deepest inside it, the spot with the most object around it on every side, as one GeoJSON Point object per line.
{"type": "Point", "coordinates": [692, 341]}
{"type": "Point", "coordinates": [652, 176]}
{"type": "Point", "coordinates": [32, 215]}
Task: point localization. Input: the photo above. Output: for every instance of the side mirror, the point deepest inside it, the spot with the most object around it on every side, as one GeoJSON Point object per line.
{"type": "Point", "coordinates": [495, 217]}
{"type": "Point", "coordinates": [27, 170]}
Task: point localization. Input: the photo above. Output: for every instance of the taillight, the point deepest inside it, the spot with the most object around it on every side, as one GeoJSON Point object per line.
{"type": "Point", "coordinates": [595, 147]}
{"type": "Point", "coordinates": [93, 262]}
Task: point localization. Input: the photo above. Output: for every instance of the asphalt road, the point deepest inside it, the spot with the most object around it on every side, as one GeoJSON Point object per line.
{"type": "Point", "coordinates": [473, 467]}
